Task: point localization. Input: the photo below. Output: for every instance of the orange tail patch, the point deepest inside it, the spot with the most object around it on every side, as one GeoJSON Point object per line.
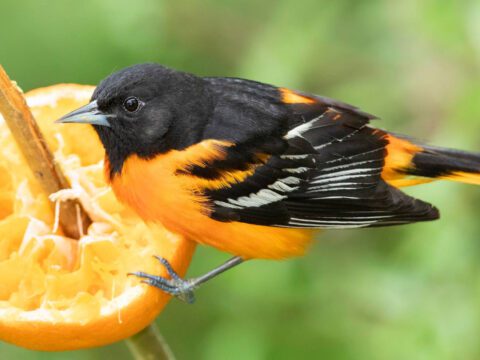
{"type": "Point", "coordinates": [408, 164]}
{"type": "Point", "coordinates": [399, 159]}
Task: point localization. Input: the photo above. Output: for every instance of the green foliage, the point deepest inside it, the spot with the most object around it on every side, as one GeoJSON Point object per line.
{"type": "Point", "coordinates": [398, 293]}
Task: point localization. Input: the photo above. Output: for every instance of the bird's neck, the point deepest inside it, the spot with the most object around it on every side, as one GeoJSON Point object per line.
{"type": "Point", "coordinates": [116, 152]}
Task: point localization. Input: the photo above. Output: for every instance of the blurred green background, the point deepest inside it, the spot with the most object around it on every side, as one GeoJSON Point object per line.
{"type": "Point", "coordinates": [398, 293]}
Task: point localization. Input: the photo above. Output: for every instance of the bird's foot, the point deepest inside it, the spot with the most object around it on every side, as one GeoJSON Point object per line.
{"type": "Point", "coordinates": [176, 286]}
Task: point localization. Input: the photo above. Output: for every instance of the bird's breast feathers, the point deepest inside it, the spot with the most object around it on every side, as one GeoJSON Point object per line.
{"type": "Point", "coordinates": [162, 190]}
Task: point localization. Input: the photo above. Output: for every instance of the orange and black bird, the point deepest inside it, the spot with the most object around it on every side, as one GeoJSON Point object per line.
{"type": "Point", "coordinates": [254, 169]}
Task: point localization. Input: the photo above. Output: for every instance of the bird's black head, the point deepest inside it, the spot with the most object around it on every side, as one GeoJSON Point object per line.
{"type": "Point", "coordinates": [146, 110]}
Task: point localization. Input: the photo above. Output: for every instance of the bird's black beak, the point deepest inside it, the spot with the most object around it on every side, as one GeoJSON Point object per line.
{"type": "Point", "coordinates": [88, 114]}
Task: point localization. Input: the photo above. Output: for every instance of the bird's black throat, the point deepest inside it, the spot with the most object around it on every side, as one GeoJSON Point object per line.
{"type": "Point", "coordinates": [117, 150]}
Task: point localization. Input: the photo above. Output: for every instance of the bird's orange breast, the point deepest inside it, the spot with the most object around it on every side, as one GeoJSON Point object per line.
{"type": "Point", "coordinates": [159, 191]}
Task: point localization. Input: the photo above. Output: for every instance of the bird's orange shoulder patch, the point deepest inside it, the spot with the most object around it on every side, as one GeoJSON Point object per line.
{"type": "Point", "coordinates": [291, 97]}
{"type": "Point", "coordinates": [150, 186]}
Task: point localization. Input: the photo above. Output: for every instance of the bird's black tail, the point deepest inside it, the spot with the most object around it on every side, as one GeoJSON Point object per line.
{"type": "Point", "coordinates": [408, 163]}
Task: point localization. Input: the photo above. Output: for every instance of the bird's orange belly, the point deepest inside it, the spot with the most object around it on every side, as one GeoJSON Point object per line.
{"type": "Point", "coordinates": [155, 191]}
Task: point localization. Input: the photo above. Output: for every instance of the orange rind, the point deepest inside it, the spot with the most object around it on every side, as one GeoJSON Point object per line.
{"type": "Point", "coordinates": [58, 293]}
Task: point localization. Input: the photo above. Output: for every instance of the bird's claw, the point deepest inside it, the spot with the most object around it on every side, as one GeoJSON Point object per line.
{"type": "Point", "coordinates": [176, 286]}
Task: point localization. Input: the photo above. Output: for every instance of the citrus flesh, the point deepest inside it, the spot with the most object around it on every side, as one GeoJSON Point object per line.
{"type": "Point", "coordinates": [58, 293]}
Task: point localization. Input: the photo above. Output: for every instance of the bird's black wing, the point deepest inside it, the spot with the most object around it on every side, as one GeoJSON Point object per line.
{"type": "Point", "coordinates": [317, 163]}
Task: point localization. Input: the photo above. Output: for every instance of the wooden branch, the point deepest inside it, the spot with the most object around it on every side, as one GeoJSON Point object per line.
{"type": "Point", "coordinates": [149, 344]}
{"type": "Point", "coordinates": [39, 158]}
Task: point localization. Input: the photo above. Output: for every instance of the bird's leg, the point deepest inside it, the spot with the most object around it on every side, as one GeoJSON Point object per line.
{"type": "Point", "coordinates": [184, 288]}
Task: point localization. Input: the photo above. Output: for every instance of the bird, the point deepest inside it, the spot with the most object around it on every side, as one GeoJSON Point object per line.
{"type": "Point", "coordinates": [253, 169]}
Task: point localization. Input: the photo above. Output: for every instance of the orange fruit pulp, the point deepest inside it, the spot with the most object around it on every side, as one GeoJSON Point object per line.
{"type": "Point", "coordinates": [58, 293]}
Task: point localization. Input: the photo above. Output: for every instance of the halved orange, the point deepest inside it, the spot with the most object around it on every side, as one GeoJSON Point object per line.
{"type": "Point", "coordinates": [57, 293]}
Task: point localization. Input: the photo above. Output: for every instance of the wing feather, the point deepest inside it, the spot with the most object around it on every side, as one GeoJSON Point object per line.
{"type": "Point", "coordinates": [323, 172]}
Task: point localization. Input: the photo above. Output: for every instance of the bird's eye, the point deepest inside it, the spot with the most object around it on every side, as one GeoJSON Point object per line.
{"type": "Point", "coordinates": [132, 104]}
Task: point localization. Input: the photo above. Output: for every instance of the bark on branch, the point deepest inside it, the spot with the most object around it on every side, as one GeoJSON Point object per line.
{"type": "Point", "coordinates": [33, 146]}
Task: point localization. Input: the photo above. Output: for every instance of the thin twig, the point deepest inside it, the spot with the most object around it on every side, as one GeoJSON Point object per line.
{"type": "Point", "coordinates": [149, 344]}
{"type": "Point", "coordinates": [39, 158]}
